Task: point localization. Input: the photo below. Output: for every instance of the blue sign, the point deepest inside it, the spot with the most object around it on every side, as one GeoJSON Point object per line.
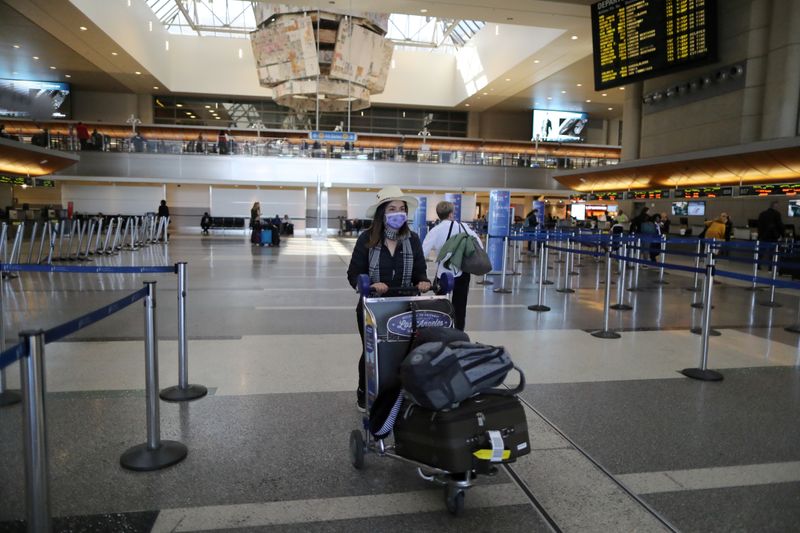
{"type": "Point", "coordinates": [332, 136]}
{"type": "Point", "coordinates": [499, 226]}
{"type": "Point", "coordinates": [419, 224]}
{"type": "Point", "coordinates": [539, 206]}
{"type": "Point", "coordinates": [401, 324]}
{"type": "Point", "coordinates": [455, 199]}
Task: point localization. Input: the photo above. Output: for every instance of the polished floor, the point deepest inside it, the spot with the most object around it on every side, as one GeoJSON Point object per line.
{"type": "Point", "coordinates": [620, 440]}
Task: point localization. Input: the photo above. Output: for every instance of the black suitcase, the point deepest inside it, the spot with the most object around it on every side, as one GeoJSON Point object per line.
{"type": "Point", "coordinates": [449, 439]}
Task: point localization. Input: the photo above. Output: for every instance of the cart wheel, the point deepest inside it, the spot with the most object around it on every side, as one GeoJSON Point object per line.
{"type": "Point", "coordinates": [363, 284]}
{"type": "Point", "coordinates": [447, 282]}
{"type": "Point", "coordinates": [357, 449]}
{"type": "Point", "coordinates": [454, 500]}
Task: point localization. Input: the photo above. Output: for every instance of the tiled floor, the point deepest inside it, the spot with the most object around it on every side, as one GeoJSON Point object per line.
{"type": "Point", "coordinates": [272, 334]}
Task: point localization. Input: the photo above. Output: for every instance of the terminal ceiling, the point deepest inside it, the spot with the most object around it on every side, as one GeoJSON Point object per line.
{"type": "Point", "coordinates": [559, 69]}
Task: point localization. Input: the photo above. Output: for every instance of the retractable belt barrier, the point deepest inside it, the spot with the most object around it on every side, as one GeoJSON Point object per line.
{"type": "Point", "coordinates": [22, 267]}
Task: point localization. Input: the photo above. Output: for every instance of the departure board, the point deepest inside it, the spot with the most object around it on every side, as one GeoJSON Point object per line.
{"type": "Point", "coordinates": [647, 195]}
{"type": "Point", "coordinates": [704, 192]}
{"type": "Point", "coordinates": [787, 189]}
{"type": "Point", "coordinates": [639, 39]}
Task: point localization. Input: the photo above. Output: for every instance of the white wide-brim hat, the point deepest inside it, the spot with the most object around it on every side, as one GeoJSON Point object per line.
{"type": "Point", "coordinates": [389, 194]}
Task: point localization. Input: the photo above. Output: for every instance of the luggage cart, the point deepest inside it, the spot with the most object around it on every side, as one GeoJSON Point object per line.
{"type": "Point", "coordinates": [387, 332]}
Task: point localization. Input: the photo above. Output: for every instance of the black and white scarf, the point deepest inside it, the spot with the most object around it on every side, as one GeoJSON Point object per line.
{"type": "Point", "coordinates": [408, 257]}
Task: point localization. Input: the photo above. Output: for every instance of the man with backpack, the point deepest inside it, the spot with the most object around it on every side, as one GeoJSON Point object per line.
{"type": "Point", "coordinates": [435, 240]}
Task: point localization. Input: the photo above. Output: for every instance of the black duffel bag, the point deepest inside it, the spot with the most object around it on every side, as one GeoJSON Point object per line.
{"type": "Point", "coordinates": [438, 375]}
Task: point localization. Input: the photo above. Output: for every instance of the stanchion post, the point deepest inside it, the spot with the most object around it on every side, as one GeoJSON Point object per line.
{"type": "Point", "coordinates": [502, 288]}
{"type": "Point", "coordinates": [33, 241]}
{"type": "Point", "coordinates": [756, 252]}
{"type": "Point", "coordinates": [155, 453]}
{"type": "Point", "coordinates": [546, 260]}
{"type": "Point", "coordinates": [485, 280]}
{"type": "Point", "coordinates": [16, 248]}
{"type": "Point", "coordinates": [542, 270]}
{"type": "Point", "coordinates": [772, 302]}
{"type": "Point", "coordinates": [4, 243]}
{"type": "Point", "coordinates": [635, 284]}
{"type": "Point", "coordinates": [621, 305]}
{"type": "Point", "coordinates": [703, 373]}
{"type": "Point", "coordinates": [573, 248]}
{"type": "Point", "coordinates": [566, 288]}
{"type": "Point", "coordinates": [663, 254]}
{"type": "Point", "coordinates": [183, 391]}
{"type": "Point", "coordinates": [696, 277]}
{"type": "Point", "coordinates": [37, 490]}
{"type": "Point", "coordinates": [7, 397]}
{"type": "Point", "coordinates": [607, 333]}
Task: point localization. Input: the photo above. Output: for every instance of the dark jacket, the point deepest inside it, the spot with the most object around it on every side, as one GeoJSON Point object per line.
{"type": "Point", "coordinates": [636, 222]}
{"type": "Point", "coordinates": [391, 267]}
{"type": "Point", "coordinates": [163, 211]}
{"type": "Point", "coordinates": [770, 225]}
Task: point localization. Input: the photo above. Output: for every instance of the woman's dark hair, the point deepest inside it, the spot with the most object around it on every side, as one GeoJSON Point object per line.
{"type": "Point", "coordinates": [377, 227]}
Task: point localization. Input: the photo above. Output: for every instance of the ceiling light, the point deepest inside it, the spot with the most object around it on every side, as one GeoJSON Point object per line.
{"type": "Point", "coordinates": [605, 94]}
{"type": "Point", "coordinates": [208, 107]}
{"type": "Point", "coordinates": [155, 87]}
{"type": "Point", "coordinates": [579, 85]}
{"type": "Point", "coordinates": [240, 53]}
{"type": "Point", "coordinates": [466, 105]}
{"type": "Point", "coordinates": [150, 24]}
{"type": "Point", "coordinates": [622, 88]}
{"type": "Point", "coordinates": [423, 10]}
{"type": "Point", "coordinates": [16, 46]}
{"type": "Point", "coordinates": [138, 73]}
{"type": "Point", "coordinates": [114, 54]}
{"type": "Point", "coordinates": [611, 109]}
{"type": "Point", "coordinates": [178, 105]}
{"type": "Point", "coordinates": [52, 67]}
{"type": "Point", "coordinates": [166, 46]}
{"type": "Point", "coordinates": [563, 92]}
{"type": "Point", "coordinates": [36, 58]}
{"type": "Point", "coordinates": [508, 79]}
{"type": "Point", "coordinates": [217, 118]}
{"type": "Point", "coordinates": [536, 61]}
{"type": "Point", "coordinates": [549, 97]}
{"type": "Point", "coordinates": [83, 28]}
{"type": "Point", "coordinates": [574, 37]}
{"type": "Point", "coordinates": [188, 113]}
{"type": "Point", "coordinates": [588, 101]}
{"type": "Point", "coordinates": [67, 76]}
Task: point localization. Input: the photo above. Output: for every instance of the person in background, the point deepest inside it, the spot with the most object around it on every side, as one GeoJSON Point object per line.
{"type": "Point", "coordinates": [636, 222]}
{"type": "Point", "coordinates": [97, 140]}
{"type": "Point", "coordinates": [40, 138]}
{"type": "Point", "coordinates": [205, 223]}
{"type": "Point", "coordinates": [287, 228]}
{"type": "Point", "coordinates": [83, 135]}
{"type": "Point", "coordinates": [665, 223]}
{"type": "Point", "coordinates": [390, 254]}
{"type": "Point", "coordinates": [222, 142]}
{"type": "Point", "coordinates": [200, 144]}
{"type": "Point", "coordinates": [655, 245]}
{"type": "Point", "coordinates": [138, 142]}
{"type": "Point", "coordinates": [434, 241]}
{"type": "Point", "coordinates": [623, 219]}
{"type": "Point", "coordinates": [163, 210]}
{"type": "Point", "coordinates": [770, 229]}
{"type": "Point", "coordinates": [716, 229]}
{"type": "Point", "coordinates": [3, 134]}
{"type": "Point", "coordinates": [529, 226]}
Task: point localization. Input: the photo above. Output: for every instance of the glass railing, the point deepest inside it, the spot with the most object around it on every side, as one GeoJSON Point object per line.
{"type": "Point", "coordinates": [272, 147]}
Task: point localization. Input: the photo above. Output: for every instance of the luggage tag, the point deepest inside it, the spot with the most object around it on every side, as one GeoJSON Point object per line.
{"type": "Point", "coordinates": [498, 453]}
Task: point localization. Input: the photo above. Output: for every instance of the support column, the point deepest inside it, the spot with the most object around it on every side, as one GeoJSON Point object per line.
{"type": "Point", "coordinates": [782, 91]}
{"type": "Point", "coordinates": [632, 122]}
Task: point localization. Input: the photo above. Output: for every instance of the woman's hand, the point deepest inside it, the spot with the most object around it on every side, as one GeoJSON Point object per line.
{"type": "Point", "coordinates": [424, 286]}
{"type": "Point", "coordinates": [379, 288]}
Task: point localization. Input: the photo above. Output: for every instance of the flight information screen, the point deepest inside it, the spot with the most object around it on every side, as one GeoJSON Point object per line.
{"type": "Point", "coordinates": [639, 39]}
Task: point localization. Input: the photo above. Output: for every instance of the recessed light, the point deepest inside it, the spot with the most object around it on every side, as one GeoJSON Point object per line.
{"type": "Point", "coordinates": [217, 118]}
{"type": "Point", "coordinates": [549, 97]}
{"type": "Point", "coordinates": [83, 28]}
{"type": "Point", "coordinates": [150, 24]}
{"type": "Point", "coordinates": [208, 107]}
{"type": "Point", "coordinates": [622, 88]}
{"type": "Point", "coordinates": [611, 109]}
{"type": "Point", "coordinates": [16, 46]}
{"type": "Point", "coordinates": [52, 67]}
{"type": "Point", "coordinates": [423, 10]}
{"type": "Point", "coordinates": [36, 58]}
{"type": "Point", "coordinates": [466, 105]}
{"type": "Point", "coordinates": [574, 37]}
{"type": "Point", "coordinates": [605, 94]}
{"type": "Point", "coordinates": [114, 54]}
{"type": "Point", "coordinates": [178, 105]}
{"type": "Point", "coordinates": [155, 87]}
{"type": "Point", "coordinates": [588, 101]}
{"type": "Point", "coordinates": [138, 73]}
{"type": "Point", "coordinates": [485, 94]}
{"type": "Point", "coordinates": [579, 85]}
{"type": "Point", "coordinates": [188, 113]}
{"type": "Point", "coordinates": [67, 76]}
{"type": "Point", "coordinates": [563, 92]}
{"type": "Point", "coordinates": [536, 61]}
{"type": "Point", "coordinates": [240, 53]}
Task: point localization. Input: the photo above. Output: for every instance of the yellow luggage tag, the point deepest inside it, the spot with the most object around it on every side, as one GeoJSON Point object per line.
{"type": "Point", "coordinates": [498, 452]}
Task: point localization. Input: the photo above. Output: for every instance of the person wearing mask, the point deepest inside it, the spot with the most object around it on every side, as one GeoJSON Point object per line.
{"type": "Point", "coordinates": [391, 254]}
{"type": "Point", "coordinates": [770, 229]}
{"type": "Point", "coordinates": [434, 241]}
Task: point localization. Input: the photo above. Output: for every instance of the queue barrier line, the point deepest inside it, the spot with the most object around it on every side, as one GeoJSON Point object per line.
{"type": "Point", "coordinates": [56, 333]}
{"type": "Point", "coordinates": [667, 252]}
{"type": "Point", "coordinates": [21, 267]}
{"type": "Point", "coordinates": [671, 266]}
{"type": "Point", "coordinates": [574, 251]}
{"type": "Point", "coordinates": [757, 279]}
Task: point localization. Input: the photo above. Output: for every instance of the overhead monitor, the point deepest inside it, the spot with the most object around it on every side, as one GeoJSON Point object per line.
{"type": "Point", "coordinates": [634, 40]}
{"type": "Point", "coordinates": [578, 211]}
{"type": "Point", "coordinates": [35, 100]}
{"type": "Point", "coordinates": [794, 208]}
{"type": "Point", "coordinates": [558, 126]}
{"type": "Point", "coordinates": [680, 209]}
{"type": "Point", "coordinates": [696, 209]}
{"type": "Point", "coordinates": [612, 208]}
